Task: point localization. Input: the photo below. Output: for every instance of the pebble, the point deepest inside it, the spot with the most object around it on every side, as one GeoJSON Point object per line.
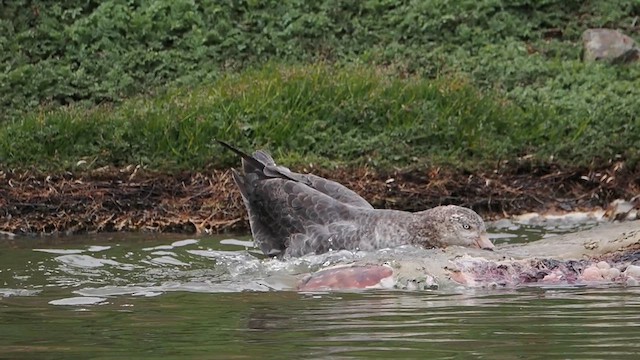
{"type": "Point", "coordinates": [633, 271]}
{"type": "Point", "coordinates": [591, 273]}
{"type": "Point", "coordinates": [603, 265]}
{"type": "Point", "coordinates": [613, 273]}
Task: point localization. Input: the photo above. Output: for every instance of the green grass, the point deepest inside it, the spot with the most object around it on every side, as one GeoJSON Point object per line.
{"type": "Point", "coordinates": [349, 115]}
{"type": "Point", "coordinates": [383, 82]}
{"type": "Point", "coordinates": [88, 52]}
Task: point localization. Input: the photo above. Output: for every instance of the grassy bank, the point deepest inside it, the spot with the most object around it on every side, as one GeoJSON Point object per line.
{"type": "Point", "coordinates": [388, 83]}
{"type": "Point", "coordinates": [351, 115]}
{"type": "Point", "coordinates": [90, 52]}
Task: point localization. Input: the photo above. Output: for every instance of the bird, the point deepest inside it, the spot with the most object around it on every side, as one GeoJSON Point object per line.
{"type": "Point", "coordinates": [293, 214]}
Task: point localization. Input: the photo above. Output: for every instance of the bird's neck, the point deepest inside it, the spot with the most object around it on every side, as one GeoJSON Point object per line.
{"type": "Point", "coordinates": [423, 229]}
{"type": "Point", "coordinates": [392, 227]}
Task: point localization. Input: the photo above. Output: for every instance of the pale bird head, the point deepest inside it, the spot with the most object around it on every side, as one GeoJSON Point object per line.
{"type": "Point", "coordinates": [460, 226]}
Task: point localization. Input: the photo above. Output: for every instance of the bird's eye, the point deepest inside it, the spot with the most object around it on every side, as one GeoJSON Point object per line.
{"type": "Point", "coordinates": [466, 226]}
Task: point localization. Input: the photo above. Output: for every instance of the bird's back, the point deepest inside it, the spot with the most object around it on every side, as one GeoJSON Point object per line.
{"type": "Point", "coordinates": [295, 213]}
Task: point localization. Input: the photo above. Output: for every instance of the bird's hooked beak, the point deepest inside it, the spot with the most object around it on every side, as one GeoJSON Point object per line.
{"type": "Point", "coordinates": [483, 242]}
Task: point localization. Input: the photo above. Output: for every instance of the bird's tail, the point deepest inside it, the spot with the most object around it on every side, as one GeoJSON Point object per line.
{"type": "Point", "coordinates": [249, 163]}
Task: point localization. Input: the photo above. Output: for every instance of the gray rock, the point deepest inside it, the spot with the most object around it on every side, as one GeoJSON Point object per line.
{"type": "Point", "coordinates": [609, 45]}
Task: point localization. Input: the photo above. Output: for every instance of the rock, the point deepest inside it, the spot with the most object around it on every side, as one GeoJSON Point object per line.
{"type": "Point", "coordinates": [620, 209]}
{"type": "Point", "coordinates": [609, 45]}
{"type": "Point", "coordinates": [633, 271]}
{"type": "Point", "coordinates": [592, 273]}
{"type": "Point", "coordinates": [613, 273]}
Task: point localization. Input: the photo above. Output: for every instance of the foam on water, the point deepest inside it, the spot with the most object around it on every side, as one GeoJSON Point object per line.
{"type": "Point", "coordinates": [78, 300]}
{"type": "Point", "coordinates": [4, 292]}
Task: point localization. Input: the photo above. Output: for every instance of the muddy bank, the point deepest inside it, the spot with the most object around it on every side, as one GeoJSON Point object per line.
{"type": "Point", "coordinates": [132, 199]}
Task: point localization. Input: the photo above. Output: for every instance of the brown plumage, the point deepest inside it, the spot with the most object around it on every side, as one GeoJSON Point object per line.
{"type": "Point", "coordinates": [294, 214]}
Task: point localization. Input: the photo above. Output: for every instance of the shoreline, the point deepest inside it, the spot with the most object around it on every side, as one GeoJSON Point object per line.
{"type": "Point", "coordinates": [135, 200]}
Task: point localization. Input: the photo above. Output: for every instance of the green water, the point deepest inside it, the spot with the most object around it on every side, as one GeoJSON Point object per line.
{"type": "Point", "coordinates": [595, 323]}
{"type": "Point", "coordinates": [135, 297]}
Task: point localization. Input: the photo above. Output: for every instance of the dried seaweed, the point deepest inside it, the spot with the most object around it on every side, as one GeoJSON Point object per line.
{"type": "Point", "coordinates": [131, 199]}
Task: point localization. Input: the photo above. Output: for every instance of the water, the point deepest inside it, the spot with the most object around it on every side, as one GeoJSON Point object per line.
{"type": "Point", "coordinates": [140, 296]}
